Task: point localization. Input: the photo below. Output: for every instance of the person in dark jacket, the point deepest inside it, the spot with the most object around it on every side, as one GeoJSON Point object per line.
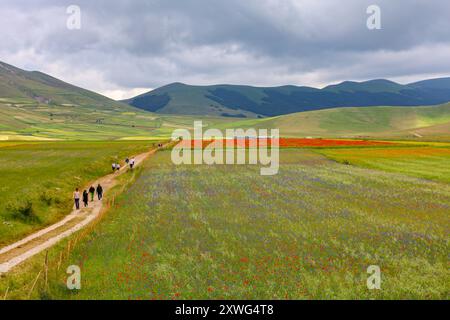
{"type": "Point", "coordinates": [85, 198]}
{"type": "Point", "coordinates": [99, 192]}
{"type": "Point", "coordinates": [92, 192]}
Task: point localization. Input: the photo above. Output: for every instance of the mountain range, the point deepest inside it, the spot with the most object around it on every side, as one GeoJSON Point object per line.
{"type": "Point", "coordinates": [34, 105]}
{"type": "Point", "coordinates": [248, 101]}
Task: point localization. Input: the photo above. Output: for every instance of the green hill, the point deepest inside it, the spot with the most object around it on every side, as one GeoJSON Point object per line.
{"type": "Point", "coordinates": [179, 98]}
{"type": "Point", "coordinates": [36, 106]}
{"type": "Point", "coordinates": [37, 87]}
{"type": "Point", "coordinates": [253, 102]}
{"type": "Point", "coordinates": [430, 122]}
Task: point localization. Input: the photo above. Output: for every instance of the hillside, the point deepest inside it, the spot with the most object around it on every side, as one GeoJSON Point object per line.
{"type": "Point", "coordinates": [248, 101]}
{"type": "Point", "coordinates": [36, 106]}
{"type": "Point", "coordinates": [179, 98]}
{"type": "Point", "coordinates": [22, 121]}
{"type": "Point", "coordinates": [37, 87]}
{"type": "Point", "coordinates": [418, 123]}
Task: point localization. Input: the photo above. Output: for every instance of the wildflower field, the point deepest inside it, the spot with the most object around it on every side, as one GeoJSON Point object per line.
{"type": "Point", "coordinates": [310, 232]}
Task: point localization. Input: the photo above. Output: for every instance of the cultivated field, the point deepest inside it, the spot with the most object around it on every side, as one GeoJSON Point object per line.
{"type": "Point", "coordinates": [22, 119]}
{"type": "Point", "coordinates": [310, 232]}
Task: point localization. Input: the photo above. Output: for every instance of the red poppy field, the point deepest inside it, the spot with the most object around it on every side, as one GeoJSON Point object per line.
{"type": "Point", "coordinates": [286, 143]}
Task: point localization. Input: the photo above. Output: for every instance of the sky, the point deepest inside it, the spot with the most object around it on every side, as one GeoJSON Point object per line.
{"type": "Point", "coordinates": [124, 48]}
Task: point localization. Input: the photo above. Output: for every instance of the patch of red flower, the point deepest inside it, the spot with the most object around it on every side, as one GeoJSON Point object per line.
{"type": "Point", "coordinates": [296, 142]}
{"type": "Point", "coordinates": [194, 143]}
{"type": "Point", "coordinates": [284, 143]}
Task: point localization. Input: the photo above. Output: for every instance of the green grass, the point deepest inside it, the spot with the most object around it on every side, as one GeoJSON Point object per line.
{"type": "Point", "coordinates": [425, 162]}
{"type": "Point", "coordinates": [310, 232]}
{"type": "Point", "coordinates": [37, 179]}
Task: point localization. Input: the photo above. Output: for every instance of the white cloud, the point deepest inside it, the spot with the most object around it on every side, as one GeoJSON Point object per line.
{"type": "Point", "coordinates": [122, 94]}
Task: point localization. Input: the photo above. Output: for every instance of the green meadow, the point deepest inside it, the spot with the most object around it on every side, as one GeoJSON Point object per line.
{"type": "Point", "coordinates": [426, 162]}
{"type": "Point", "coordinates": [226, 232]}
{"type": "Point", "coordinates": [37, 179]}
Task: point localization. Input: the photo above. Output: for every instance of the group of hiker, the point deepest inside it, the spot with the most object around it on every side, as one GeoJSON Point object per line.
{"type": "Point", "coordinates": [130, 162]}
{"type": "Point", "coordinates": [115, 166]}
{"type": "Point", "coordinates": [85, 196]}
{"type": "Point", "coordinates": [77, 197]}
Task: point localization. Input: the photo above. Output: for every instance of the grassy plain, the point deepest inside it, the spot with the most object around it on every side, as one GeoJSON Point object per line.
{"type": "Point", "coordinates": [429, 162]}
{"type": "Point", "coordinates": [310, 232]}
{"type": "Point", "coordinates": [37, 179]}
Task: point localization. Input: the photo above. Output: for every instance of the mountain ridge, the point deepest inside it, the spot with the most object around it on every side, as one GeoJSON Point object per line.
{"type": "Point", "coordinates": [253, 101]}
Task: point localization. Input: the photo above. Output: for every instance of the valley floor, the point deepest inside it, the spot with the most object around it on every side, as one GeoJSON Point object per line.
{"type": "Point", "coordinates": [225, 232]}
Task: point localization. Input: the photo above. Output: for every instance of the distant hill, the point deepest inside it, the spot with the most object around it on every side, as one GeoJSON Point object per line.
{"type": "Point", "coordinates": [248, 101]}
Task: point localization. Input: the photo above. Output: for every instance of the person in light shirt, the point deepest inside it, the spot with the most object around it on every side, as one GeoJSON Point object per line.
{"type": "Point", "coordinates": [76, 198]}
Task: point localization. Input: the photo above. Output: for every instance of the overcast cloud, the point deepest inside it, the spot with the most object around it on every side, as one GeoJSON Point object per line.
{"type": "Point", "coordinates": [127, 47]}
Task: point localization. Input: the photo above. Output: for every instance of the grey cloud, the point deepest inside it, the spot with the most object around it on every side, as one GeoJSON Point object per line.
{"type": "Point", "coordinates": [131, 44]}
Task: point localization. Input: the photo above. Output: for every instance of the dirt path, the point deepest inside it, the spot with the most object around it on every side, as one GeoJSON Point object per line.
{"type": "Point", "coordinates": [18, 252]}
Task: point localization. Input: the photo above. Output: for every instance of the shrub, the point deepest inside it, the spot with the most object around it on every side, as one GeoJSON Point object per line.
{"type": "Point", "coordinates": [23, 211]}
{"type": "Point", "coordinates": [46, 198]}
{"type": "Point", "coordinates": [346, 162]}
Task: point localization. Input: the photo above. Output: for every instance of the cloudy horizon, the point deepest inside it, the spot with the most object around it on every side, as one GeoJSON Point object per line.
{"type": "Point", "coordinates": [125, 48]}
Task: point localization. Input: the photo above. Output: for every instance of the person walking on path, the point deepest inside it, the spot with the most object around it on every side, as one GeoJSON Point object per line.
{"type": "Point", "coordinates": [114, 167]}
{"type": "Point", "coordinates": [99, 192]}
{"type": "Point", "coordinates": [85, 198]}
{"type": "Point", "coordinates": [118, 166]}
{"type": "Point", "coordinates": [132, 161]}
{"type": "Point", "coordinates": [76, 198]}
{"type": "Point", "coordinates": [127, 161]}
{"type": "Point", "coordinates": [92, 192]}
